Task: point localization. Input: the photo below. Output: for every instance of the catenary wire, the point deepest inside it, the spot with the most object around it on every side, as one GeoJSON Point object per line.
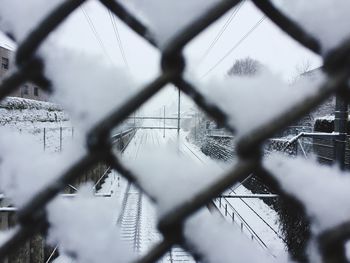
{"type": "Point", "coordinates": [94, 31]}
{"type": "Point", "coordinates": [234, 47]}
{"type": "Point", "coordinates": [119, 41]}
{"type": "Point", "coordinates": [222, 30]}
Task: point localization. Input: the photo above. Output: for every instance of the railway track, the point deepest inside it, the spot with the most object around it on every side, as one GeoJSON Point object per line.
{"type": "Point", "coordinates": [176, 254]}
{"type": "Point", "coordinates": [135, 229]}
{"type": "Point", "coordinates": [129, 219]}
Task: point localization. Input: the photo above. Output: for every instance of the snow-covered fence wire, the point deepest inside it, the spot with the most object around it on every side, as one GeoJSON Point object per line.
{"type": "Point", "coordinates": [236, 110]}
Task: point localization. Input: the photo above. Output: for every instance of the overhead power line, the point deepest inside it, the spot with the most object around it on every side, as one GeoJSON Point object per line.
{"type": "Point", "coordinates": [119, 41]}
{"type": "Point", "coordinates": [235, 46]}
{"type": "Point", "coordinates": [94, 31]}
{"type": "Point", "coordinates": [222, 30]}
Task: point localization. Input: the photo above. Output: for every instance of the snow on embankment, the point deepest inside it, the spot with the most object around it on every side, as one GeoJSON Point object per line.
{"type": "Point", "coordinates": [20, 113]}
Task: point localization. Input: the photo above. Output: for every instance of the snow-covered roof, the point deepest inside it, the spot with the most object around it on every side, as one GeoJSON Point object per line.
{"type": "Point", "coordinates": [6, 42]}
{"type": "Point", "coordinates": [314, 73]}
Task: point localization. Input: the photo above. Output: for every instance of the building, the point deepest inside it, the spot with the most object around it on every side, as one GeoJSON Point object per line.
{"type": "Point", "coordinates": [27, 90]}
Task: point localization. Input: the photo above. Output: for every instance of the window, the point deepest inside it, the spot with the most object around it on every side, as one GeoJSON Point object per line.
{"type": "Point", "coordinates": [5, 63]}
{"type": "Point", "coordinates": [25, 89]}
{"type": "Point", "coordinates": [36, 91]}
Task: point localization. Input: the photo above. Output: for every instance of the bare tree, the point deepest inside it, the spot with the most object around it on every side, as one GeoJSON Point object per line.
{"type": "Point", "coordinates": [245, 67]}
{"type": "Point", "coordinates": [303, 67]}
{"type": "Point", "coordinates": [300, 69]}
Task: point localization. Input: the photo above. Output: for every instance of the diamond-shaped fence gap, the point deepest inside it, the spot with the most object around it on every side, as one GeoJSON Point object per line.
{"type": "Point", "coordinates": [251, 216]}
{"type": "Point", "coordinates": [251, 100]}
{"type": "Point", "coordinates": [169, 184]}
{"type": "Point", "coordinates": [102, 87]}
{"type": "Point", "coordinates": [162, 17]}
{"type": "Point", "coordinates": [158, 132]}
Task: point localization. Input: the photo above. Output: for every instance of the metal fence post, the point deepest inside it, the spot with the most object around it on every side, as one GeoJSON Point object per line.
{"type": "Point", "coordinates": [178, 113]}
{"type": "Point", "coordinates": [340, 126]}
{"type": "Point", "coordinates": [72, 132]}
{"type": "Point", "coordinates": [164, 122]}
{"type": "Point", "coordinates": [44, 139]}
{"type": "Point", "coordinates": [225, 209]}
{"type": "Point", "coordinates": [60, 139]}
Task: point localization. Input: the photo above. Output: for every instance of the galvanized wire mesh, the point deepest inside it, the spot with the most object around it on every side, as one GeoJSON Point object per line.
{"type": "Point", "coordinates": [32, 218]}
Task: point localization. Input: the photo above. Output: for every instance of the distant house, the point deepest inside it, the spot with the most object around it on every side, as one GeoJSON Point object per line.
{"type": "Point", "coordinates": [27, 90]}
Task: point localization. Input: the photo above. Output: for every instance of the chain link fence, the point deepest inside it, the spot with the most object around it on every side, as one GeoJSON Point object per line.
{"type": "Point", "coordinates": [32, 216]}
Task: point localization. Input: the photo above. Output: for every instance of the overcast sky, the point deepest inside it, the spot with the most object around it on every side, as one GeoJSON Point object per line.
{"type": "Point", "coordinates": [267, 44]}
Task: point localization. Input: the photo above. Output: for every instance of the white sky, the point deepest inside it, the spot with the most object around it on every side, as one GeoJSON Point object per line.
{"type": "Point", "coordinates": [267, 44]}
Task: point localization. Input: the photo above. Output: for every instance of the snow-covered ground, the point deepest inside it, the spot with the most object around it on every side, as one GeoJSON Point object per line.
{"type": "Point", "coordinates": [258, 219]}
{"type": "Point", "coordinates": [136, 215]}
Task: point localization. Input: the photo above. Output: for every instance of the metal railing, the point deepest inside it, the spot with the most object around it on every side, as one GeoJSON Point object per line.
{"type": "Point", "coordinates": [218, 133]}
{"type": "Point", "coordinates": [29, 67]}
{"type": "Point", "coordinates": [233, 213]}
{"type": "Point", "coordinates": [320, 140]}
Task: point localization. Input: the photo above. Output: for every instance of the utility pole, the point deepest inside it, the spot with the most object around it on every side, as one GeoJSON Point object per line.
{"type": "Point", "coordinates": [134, 120]}
{"type": "Point", "coordinates": [198, 123]}
{"type": "Point", "coordinates": [178, 113]}
{"type": "Point", "coordinates": [340, 126]}
{"type": "Point", "coordinates": [195, 125]}
{"type": "Point", "coordinates": [164, 123]}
